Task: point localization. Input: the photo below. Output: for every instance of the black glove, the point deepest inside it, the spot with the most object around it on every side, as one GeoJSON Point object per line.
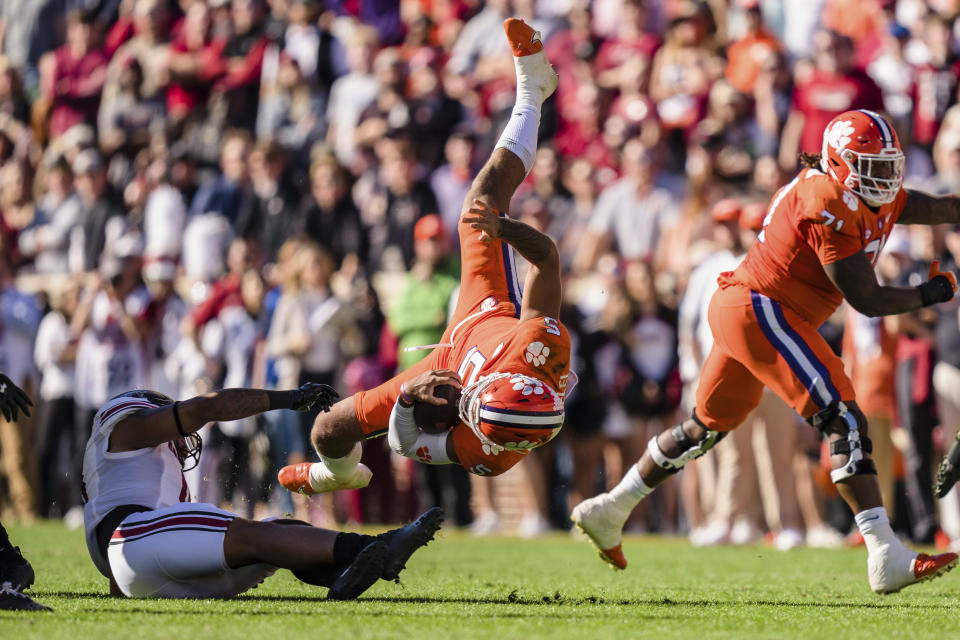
{"type": "Point", "coordinates": [937, 289]}
{"type": "Point", "coordinates": [12, 398]}
{"type": "Point", "coordinates": [312, 393]}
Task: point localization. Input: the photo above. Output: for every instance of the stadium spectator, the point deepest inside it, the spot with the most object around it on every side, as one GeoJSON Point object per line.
{"type": "Point", "coordinates": [350, 94]}
{"type": "Point", "coordinates": [229, 193]}
{"type": "Point", "coordinates": [99, 205]}
{"type": "Point", "coordinates": [47, 240]}
{"type": "Point", "coordinates": [747, 55]}
{"type": "Point", "coordinates": [55, 354]}
{"type": "Point", "coordinates": [76, 76]}
{"type": "Point", "coordinates": [397, 200]}
{"type": "Point", "coordinates": [271, 214]}
{"type": "Point", "coordinates": [832, 86]}
{"type": "Point", "coordinates": [630, 214]}
{"type": "Point", "coordinates": [331, 218]}
{"type": "Point", "coordinates": [451, 181]}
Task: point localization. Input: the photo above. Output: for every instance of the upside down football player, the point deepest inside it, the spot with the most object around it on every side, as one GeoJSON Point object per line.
{"type": "Point", "coordinates": [510, 353]}
{"type": "Point", "coordinates": [145, 535]}
{"type": "Point", "coordinates": [821, 238]}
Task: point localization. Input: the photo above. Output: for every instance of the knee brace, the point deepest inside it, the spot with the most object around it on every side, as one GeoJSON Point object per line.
{"type": "Point", "coordinates": [690, 449]}
{"type": "Point", "coordinates": [842, 425]}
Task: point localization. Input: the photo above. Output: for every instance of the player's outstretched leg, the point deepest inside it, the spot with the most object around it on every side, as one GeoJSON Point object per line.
{"type": "Point", "coordinates": [336, 436]}
{"type": "Point", "coordinates": [603, 516]}
{"type": "Point", "coordinates": [513, 156]}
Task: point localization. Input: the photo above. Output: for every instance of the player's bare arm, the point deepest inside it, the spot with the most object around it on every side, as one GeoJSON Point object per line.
{"type": "Point", "coordinates": [162, 424]}
{"type": "Point", "coordinates": [542, 290]}
{"type": "Point", "coordinates": [857, 281]}
{"type": "Point", "coordinates": [924, 208]}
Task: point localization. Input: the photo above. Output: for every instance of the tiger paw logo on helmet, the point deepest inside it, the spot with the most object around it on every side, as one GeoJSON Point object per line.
{"type": "Point", "coordinates": [838, 135]}
{"type": "Point", "coordinates": [526, 385]}
{"type": "Point", "coordinates": [537, 353]}
{"type": "Point", "coordinates": [511, 411]}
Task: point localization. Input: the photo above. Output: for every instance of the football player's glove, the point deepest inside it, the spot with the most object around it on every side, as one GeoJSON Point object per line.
{"type": "Point", "coordinates": [312, 395]}
{"type": "Point", "coordinates": [13, 399]}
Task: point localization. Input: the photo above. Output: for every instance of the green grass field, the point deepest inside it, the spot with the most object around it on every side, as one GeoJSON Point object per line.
{"type": "Point", "coordinates": [504, 588]}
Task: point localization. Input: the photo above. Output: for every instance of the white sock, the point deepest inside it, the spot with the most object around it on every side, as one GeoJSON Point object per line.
{"type": "Point", "coordinates": [339, 468]}
{"type": "Point", "coordinates": [630, 490]}
{"type": "Point", "coordinates": [520, 134]}
{"type": "Point", "coordinates": [529, 67]}
{"type": "Point", "coordinates": [875, 528]}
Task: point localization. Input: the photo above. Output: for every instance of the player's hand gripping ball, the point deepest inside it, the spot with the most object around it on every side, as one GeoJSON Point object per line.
{"type": "Point", "coordinates": [437, 418]}
{"type": "Point", "coordinates": [435, 396]}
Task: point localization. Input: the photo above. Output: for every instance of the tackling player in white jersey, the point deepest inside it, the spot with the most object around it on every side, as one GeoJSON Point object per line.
{"type": "Point", "coordinates": [145, 535]}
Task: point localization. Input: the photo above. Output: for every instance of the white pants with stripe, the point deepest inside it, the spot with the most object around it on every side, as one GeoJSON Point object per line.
{"type": "Point", "coordinates": [177, 552]}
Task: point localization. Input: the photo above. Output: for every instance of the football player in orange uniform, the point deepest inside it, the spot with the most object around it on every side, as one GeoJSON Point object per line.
{"type": "Point", "coordinates": [821, 238]}
{"type": "Point", "coordinates": [508, 353]}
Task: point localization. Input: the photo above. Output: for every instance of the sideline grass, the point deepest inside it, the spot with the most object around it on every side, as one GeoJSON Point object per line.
{"type": "Point", "coordinates": [504, 588]}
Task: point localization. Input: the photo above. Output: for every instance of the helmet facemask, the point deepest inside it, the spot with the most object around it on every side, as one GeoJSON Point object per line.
{"type": "Point", "coordinates": [469, 407]}
{"type": "Point", "coordinates": [188, 450]}
{"type": "Point", "coordinates": [875, 177]}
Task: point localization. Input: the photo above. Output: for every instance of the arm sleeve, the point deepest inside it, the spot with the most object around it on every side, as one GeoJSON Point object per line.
{"type": "Point", "coordinates": [406, 439]}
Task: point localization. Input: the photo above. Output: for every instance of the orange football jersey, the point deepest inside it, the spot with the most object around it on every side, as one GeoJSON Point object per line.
{"type": "Point", "coordinates": [485, 336]}
{"type": "Point", "coordinates": [812, 221]}
{"type": "Point", "coordinates": [539, 348]}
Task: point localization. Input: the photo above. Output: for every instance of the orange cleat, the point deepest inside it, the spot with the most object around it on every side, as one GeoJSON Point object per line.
{"type": "Point", "coordinates": [524, 40]}
{"type": "Point", "coordinates": [296, 478]}
{"type": "Point", "coordinates": [929, 567]}
{"type": "Point", "coordinates": [614, 557]}
{"type": "Point", "coordinates": [602, 521]}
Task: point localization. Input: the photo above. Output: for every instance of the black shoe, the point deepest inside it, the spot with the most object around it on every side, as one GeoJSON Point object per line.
{"type": "Point", "coordinates": [360, 575]}
{"type": "Point", "coordinates": [405, 540]}
{"type": "Point", "coordinates": [12, 599]}
{"type": "Point", "coordinates": [14, 568]}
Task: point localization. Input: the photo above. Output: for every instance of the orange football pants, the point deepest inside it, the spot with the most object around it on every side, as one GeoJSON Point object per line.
{"type": "Point", "coordinates": [758, 342]}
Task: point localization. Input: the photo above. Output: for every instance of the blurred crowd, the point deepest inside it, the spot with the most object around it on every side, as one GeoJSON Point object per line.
{"type": "Point", "coordinates": [206, 193]}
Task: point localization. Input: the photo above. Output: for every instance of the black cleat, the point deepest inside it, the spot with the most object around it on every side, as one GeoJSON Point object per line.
{"type": "Point", "coordinates": [949, 472]}
{"type": "Point", "coordinates": [14, 568]}
{"type": "Point", "coordinates": [405, 540]}
{"type": "Point", "coordinates": [947, 476]}
{"type": "Point", "coordinates": [12, 599]}
{"type": "Point", "coordinates": [360, 575]}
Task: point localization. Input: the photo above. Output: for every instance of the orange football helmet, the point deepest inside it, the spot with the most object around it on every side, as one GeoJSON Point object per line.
{"type": "Point", "coordinates": [861, 150]}
{"type": "Point", "coordinates": [511, 411]}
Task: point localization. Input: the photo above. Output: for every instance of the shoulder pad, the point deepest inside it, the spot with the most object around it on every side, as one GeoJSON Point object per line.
{"type": "Point", "coordinates": [823, 200]}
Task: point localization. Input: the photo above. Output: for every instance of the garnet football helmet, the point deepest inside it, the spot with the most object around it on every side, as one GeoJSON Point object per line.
{"type": "Point", "coordinates": [187, 448]}
{"type": "Point", "coordinates": [861, 150]}
{"type": "Point", "coordinates": [511, 411]}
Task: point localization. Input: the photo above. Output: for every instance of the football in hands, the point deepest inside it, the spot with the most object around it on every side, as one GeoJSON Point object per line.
{"type": "Point", "coordinates": [437, 418]}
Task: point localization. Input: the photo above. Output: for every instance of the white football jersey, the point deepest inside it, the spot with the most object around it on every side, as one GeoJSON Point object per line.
{"type": "Point", "coordinates": [150, 477]}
